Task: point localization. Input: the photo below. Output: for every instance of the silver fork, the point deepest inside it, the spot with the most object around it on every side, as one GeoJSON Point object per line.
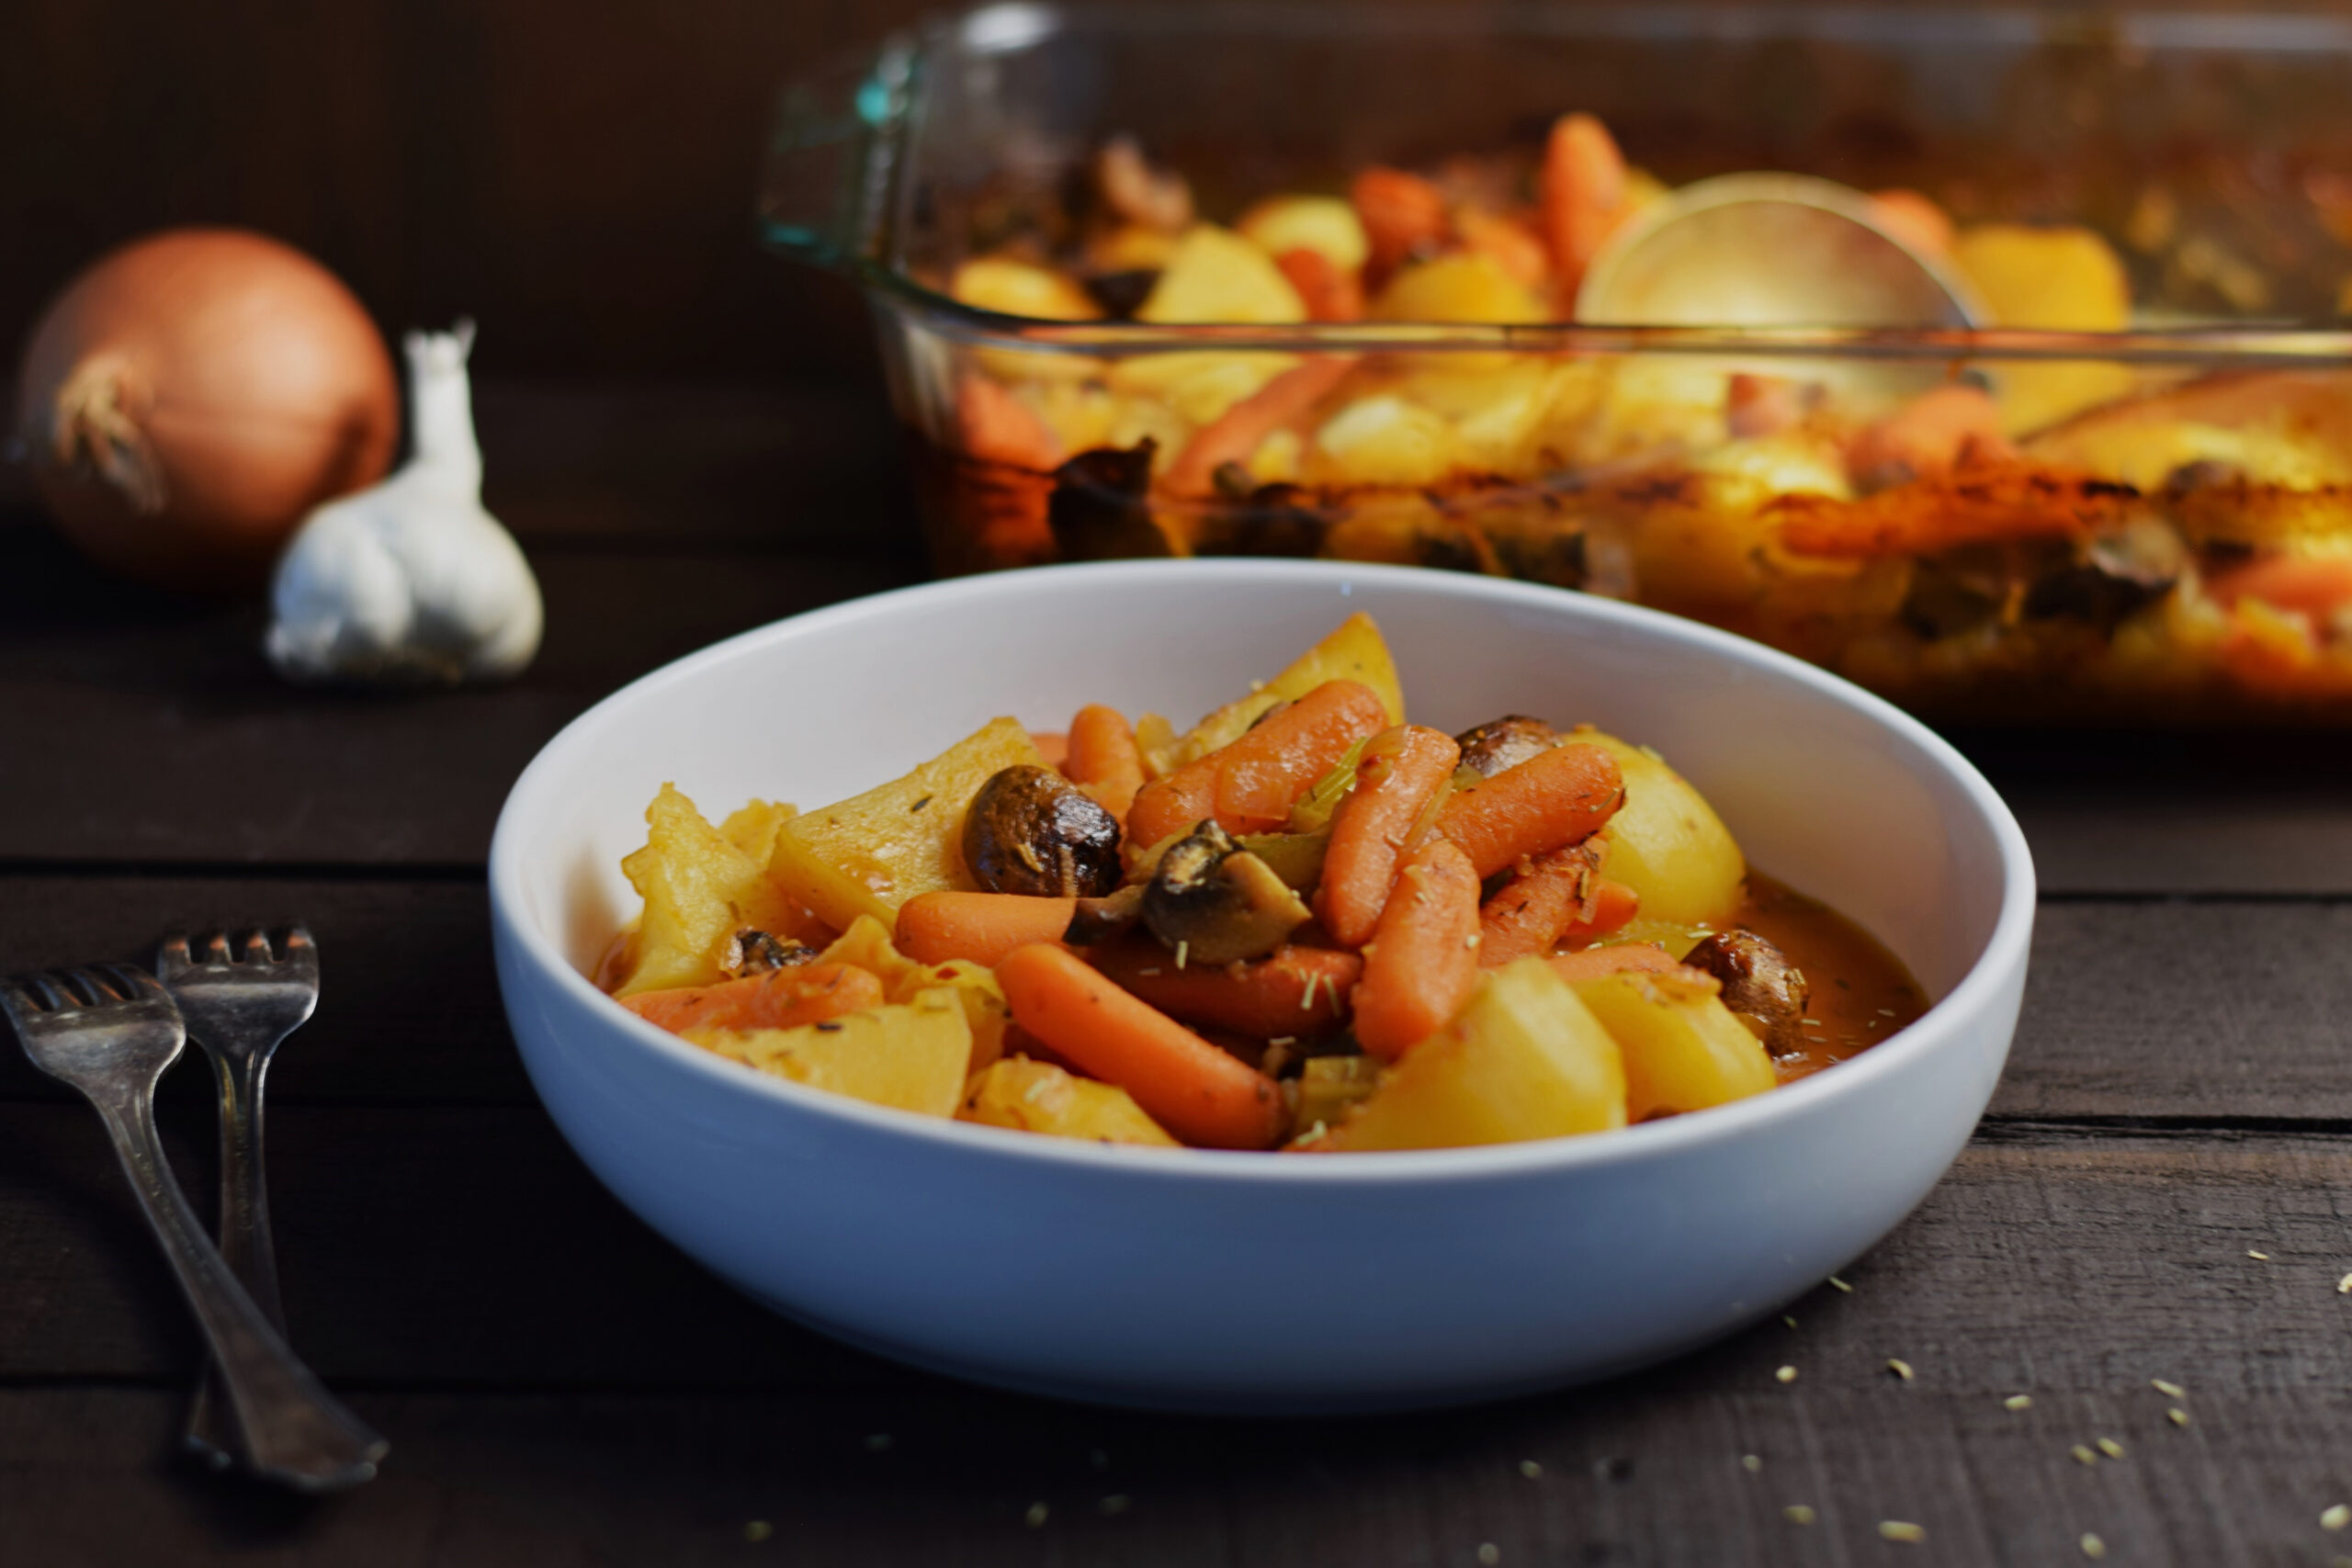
{"type": "Point", "coordinates": [239, 1007]}
{"type": "Point", "coordinates": [109, 1031]}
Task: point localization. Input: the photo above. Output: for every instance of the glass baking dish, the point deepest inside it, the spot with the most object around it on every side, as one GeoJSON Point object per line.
{"type": "Point", "coordinates": [2142, 512]}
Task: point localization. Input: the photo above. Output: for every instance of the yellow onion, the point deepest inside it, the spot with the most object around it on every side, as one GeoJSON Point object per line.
{"type": "Point", "coordinates": [189, 397]}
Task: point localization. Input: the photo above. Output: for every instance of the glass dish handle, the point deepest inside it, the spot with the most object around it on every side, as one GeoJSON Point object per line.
{"type": "Point", "coordinates": [824, 193]}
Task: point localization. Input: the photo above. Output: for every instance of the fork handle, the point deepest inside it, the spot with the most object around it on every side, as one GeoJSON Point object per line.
{"type": "Point", "coordinates": [245, 1244]}
{"type": "Point", "coordinates": [291, 1428]}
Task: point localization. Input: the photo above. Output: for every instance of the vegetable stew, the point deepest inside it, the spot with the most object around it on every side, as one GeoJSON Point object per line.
{"type": "Point", "coordinates": [1304, 924]}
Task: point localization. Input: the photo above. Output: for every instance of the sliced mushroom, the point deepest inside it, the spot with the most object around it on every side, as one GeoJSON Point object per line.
{"type": "Point", "coordinates": [1488, 749]}
{"type": "Point", "coordinates": [1101, 507]}
{"type": "Point", "coordinates": [1215, 902]}
{"type": "Point", "coordinates": [2114, 575]}
{"type": "Point", "coordinates": [1098, 921]}
{"type": "Point", "coordinates": [1031, 830]}
{"type": "Point", "coordinates": [755, 951]}
{"type": "Point", "coordinates": [1760, 983]}
{"type": "Point", "coordinates": [1133, 189]}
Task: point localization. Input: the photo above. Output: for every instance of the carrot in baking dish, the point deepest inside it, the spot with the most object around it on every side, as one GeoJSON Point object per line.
{"type": "Point", "coordinates": [1402, 769]}
{"type": "Point", "coordinates": [1248, 787]}
{"type": "Point", "coordinates": [1401, 214]}
{"type": "Point", "coordinates": [1241, 429]}
{"type": "Point", "coordinates": [1182, 1082]}
{"type": "Point", "coordinates": [1423, 958]}
{"type": "Point", "coordinates": [1582, 189]}
{"type": "Point", "coordinates": [1538, 906]}
{"type": "Point", "coordinates": [1556, 797]}
{"type": "Point", "coordinates": [782, 998]}
{"type": "Point", "coordinates": [1291, 991]}
{"type": "Point", "coordinates": [1104, 758]}
{"type": "Point", "coordinates": [982, 926]}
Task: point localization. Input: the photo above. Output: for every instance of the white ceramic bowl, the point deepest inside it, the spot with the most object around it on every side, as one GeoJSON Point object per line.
{"type": "Point", "coordinates": [1258, 1282]}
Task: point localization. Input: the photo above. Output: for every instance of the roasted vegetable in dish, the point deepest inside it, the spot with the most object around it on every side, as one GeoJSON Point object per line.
{"type": "Point", "coordinates": [1303, 923]}
{"type": "Point", "coordinates": [1973, 533]}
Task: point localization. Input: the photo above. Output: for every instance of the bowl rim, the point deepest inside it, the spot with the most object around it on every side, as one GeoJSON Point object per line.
{"type": "Point", "coordinates": [2003, 953]}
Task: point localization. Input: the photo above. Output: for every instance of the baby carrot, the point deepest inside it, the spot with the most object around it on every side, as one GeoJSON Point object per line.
{"type": "Point", "coordinates": [1612, 905]}
{"type": "Point", "coordinates": [1423, 959]}
{"type": "Point", "coordinates": [1582, 187]}
{"type": "Point", "coordinates": [1401, 214]}
{"type": "Point", "coordinates": [1052, 745]}
{"type": "Point", "coordinates": [1401, 770]}
{"type": "Point", "coordinates": [2315, 585]}
{"type": "Point", "coordinates": [1330, 292]}
{"type": "Point", "coordinates": [1538, 906]}
{"type": "Point", "coordinates": [1629, 958]}
{"type": "Point", "coordinates": [1241, 429]}
{"type": "Point", "coordinates": [1556, 797]}
{"type": "Point", "coordinates": [1104, 758]}
{"type": "Point", "coordinates": [1248, 786]}
{"type": "Point", "coordinates": [982, 926]}
{"type": "Point", "coordinates": [991, 423]}
{"type": "Point", "coordinates": [1293, 990]}
{"type": "Point", "coordinates": [782, 998]}
{"type": "Point", "coordinates": [1182, 1082]}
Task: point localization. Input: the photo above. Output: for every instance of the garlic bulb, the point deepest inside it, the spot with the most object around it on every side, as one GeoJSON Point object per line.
{"type": "Point", "coordinates": [410, 582]}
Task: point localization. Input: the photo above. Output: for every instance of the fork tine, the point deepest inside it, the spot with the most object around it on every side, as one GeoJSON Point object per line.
{"type": "Point", "coordinates": [256, 949]}
{"type": "Point", "coordinates": [172, 954]}
{"type": "Point", "coordinates": [216, 949]}
{"type": "Point", "coordinates": [17, 1003]}
{"type": "Point", "coordinates": [135, 983]}
{"type": "Point", "coordinates": [94, 987]}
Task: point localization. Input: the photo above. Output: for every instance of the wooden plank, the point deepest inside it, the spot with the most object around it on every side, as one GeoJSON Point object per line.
{"type": "Point", "coordinates": [408, 1005]}
{"type": "Point", "coordinates": [2186, 1011]}
{"type": "Point", "coordinates": [164, 736]}
{"type": "Point", "coordinates": [1646, 1471]}
{"type": "Point", "coordinates": [465, 1247]}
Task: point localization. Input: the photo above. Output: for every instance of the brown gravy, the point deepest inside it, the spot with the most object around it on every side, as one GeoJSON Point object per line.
{"type": "Point", "coordinates": [1862, 993]}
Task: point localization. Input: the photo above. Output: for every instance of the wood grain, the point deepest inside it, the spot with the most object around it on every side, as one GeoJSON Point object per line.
{"type": "Point", "coordinates": [456, 1247]}
{"type": "Point", "coordinates": [166, 737]}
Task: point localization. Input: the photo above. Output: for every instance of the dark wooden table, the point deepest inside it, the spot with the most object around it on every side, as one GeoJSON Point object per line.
{"type": "Point", "coordinates": [2160, 1190]}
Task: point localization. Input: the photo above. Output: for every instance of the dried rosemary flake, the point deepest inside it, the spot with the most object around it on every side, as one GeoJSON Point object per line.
{"type": "Point", "coordinates": [2093, 1548]}
{"type": "Point", "coordinates": [2257, 1256]}
{"type": "Point", "coordinates": [1530, 1469]}
{"type": "Point", "coordinates": [2177, 1416]}
{"type": "Point", "coordinates": [2335, 1517]}
{"type": "Point", "coordinates": [2110, 1448]}
{"type": "Point", "coordinates": [1787, 1319]}
{"type": "Point", "coordinates": [1901, 1530]}
{"type": "Point", "coordinates": [2083, 1455]}
{"type": "Point", "coordinates": [1035, 1517]}
{"type": "Point", "coordinates": [1797, 1514]}
{"type": "Point", "coordinates": [2169, 1389]}
{"type": "Point", "coordinates": [1786, 1374]}
{"type": "Point", "coordinates": [1836, 1283]}
{"type": "Point", "coordinates": [1899, 1366]}
{"type": "Point", "coordinates": [1750, 1463]}
{"type": "Point", "coordinates": [1181, 949]}
{"type": "Point", "coordinates": [2018, 1402]}
{"type": "Point", "coordinates": [2344, 1286]}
